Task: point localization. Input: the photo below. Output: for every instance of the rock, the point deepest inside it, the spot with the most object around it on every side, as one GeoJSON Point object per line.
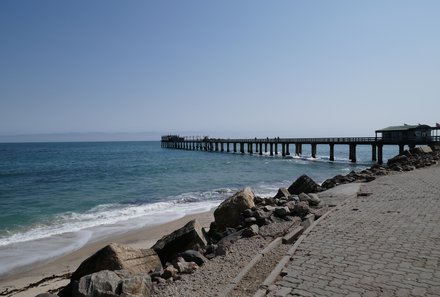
{"type": "Point", "coordinates": [228, 212]}
{"type": "Point", "coordinates": [247, 213]}
{"type": "Point", "coordinates": [301, 209]}
{"type": "Point", "coordinates": [46, 295]}
{"type": "Point", "coordinates": [210, 251]}
{"type": "Point", "coordinates": [108, 283]}
{"type": "Point", "coordinates": [290, 205]}
{"type": "Point", "coordinates": [185, 238]}
{"type": "Point", "coordinates": [282, 192]}
{"type": "Point", "coordinates": [329, 183]}
{"type": "Point", "coordinates": [185, 267]}
{"type": "Point", "coordinates": [193, 256]}
{"type": "Point", "coordinates": [293, 198]}
{"type": "Point", "coordinates": [259, 200]}
{"type": "Point", "coordinates": [261, 214]}
{"type": "Point", "coordinates": [119, 257]}
{"type": "Point", "coordinates": [169, 272]}
{"type": "Point", "coordinates": [314, 199]}
{"type": "Point", "coordinates": [221, 250]}
{"type": "Point", "coordinates": [425, 149]}
{"type": "Point", "coordinates": [400, 159]}
{"type": "Point", "coordinates": [251, 231]}
{"type": "Point", "coordinates": [282, 211]}
{"type": "Point", "coordinates": [263, 221]}
{"type": "Point", "coordinates": [231, 238]}
{"type": "Point", "coordinates": [269, 208]}
{"type": "Point", "coordinates": [250, 221]}
{"type": "Point", "coordinates": [304, 184]}
{"type": "Point", "coordinates": [306, 198]}
{"type": "Point", "coordinates": [156, 274]}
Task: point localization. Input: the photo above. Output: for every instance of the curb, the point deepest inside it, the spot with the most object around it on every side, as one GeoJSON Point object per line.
{"type": "Point", "coordinates": [283, 262]}
{"type": "Point", "coordinates": [275, 243]}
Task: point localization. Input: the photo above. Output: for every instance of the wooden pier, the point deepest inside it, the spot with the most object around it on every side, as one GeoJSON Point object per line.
{"type": "Point", "coordinates": [282, 146]}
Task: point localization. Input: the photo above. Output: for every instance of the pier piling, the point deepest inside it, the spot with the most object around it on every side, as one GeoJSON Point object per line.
{"type": "Point", "coordinates": [271, 145]}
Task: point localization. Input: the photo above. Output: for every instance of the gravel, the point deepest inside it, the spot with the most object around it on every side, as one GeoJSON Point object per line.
{"type": "Point", "coordinates": [212, 277]}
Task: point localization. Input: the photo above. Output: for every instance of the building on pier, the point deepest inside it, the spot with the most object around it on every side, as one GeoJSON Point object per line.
{"type": "Point", "coordinates": [406, 134]}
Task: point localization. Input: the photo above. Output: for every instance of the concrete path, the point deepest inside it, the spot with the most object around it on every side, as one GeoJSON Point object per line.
{"type": "Point", "coordinates": [383, 244]}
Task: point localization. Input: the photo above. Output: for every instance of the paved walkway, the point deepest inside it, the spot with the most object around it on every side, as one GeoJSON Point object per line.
{"type": "Point", "coordinates": [385, 244]}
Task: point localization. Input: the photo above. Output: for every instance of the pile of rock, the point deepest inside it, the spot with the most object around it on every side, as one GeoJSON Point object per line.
{"type": "Point", "coordinates": [118, 270]}
{"type": "Point", "coordinates": [409, 160]}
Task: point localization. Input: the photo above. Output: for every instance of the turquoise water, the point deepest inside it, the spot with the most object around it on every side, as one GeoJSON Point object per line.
{"type": "Point", "coordinates": [56, 197]}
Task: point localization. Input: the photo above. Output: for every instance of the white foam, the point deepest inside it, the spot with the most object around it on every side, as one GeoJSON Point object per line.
{"type": "Point", "coordinates": [71, 231]}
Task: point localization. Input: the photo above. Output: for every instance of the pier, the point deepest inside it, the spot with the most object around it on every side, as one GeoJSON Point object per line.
{"type": "Point", "coordinates": [282, 146]}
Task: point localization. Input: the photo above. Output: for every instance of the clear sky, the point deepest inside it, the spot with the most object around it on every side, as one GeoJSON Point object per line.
{"type": "Point", "coordinates": [221, 68]}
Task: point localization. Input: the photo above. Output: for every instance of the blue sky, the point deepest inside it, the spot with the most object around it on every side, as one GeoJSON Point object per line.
{"type": "Point", "coordinates": [223, 68]}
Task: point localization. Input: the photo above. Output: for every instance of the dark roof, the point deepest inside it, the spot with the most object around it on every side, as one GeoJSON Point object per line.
{"type": "Point", "coordinates": [403, 128]}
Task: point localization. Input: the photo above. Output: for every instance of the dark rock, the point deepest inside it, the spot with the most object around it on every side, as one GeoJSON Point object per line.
{"type": "Point", "coordinates": [185, 238]}
{"type": "Point", "coordinates": [213, 234]}
{"type": "Point", "coordinates": [247, 213]}
{"type": "Point", "coordinates": [369, 178]}
{"type": "Point", "coordinates": [221, 250]}
{"type": "Point", "coordinates": [228, 212]}
{"type": "Point", "coordinates": [251, 231]}
{"type": "Point", "coordinates": [261, 214]}
{"type": "Point", "coordinates": [169, 272]}
{"type": "Point", "coordinates": [401, 159]}
{"type": "Point", "coordinates": [282, 211]}
{"type": "Point", "coordinates": [301, 209]}
{"type": "Point", "coordinates": [210, 251]}
{"type": "Point", "coordinates": [276, 219]}
{"type": "Point", "coordinates": [46, 295]}
{"type": "Point", "coordinates": [329, 183]}
{"type": "Point", "coordinates": [230, 239]}
{"type": "Point", "coordinates": [282, 192]}
{"type": "Point", "coordinates": [156, 274]}
{"type": "Point", "coordinates": [263, 221]}
{"type": "Point", "coordinates": [259, 200]}
{"type": "Point", "coordinates": [194, 256]}
{"type": "Point", "coordinates": [304, 184]}
{"type": "Point", "coordinates": [117, 257]}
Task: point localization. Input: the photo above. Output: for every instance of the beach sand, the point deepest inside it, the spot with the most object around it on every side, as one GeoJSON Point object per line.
{"type": "Point", "coordinates": [140, 238]}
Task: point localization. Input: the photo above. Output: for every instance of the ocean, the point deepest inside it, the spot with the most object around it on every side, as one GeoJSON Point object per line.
{"type": "Point", "coordinates": [57, 197]}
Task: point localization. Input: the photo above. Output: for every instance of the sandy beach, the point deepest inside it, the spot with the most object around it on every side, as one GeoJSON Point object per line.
{"type": "Point", "coordinates": [141, 238]}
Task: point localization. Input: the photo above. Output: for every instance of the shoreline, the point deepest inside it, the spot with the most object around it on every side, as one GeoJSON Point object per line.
{"type": "Point", "coordinates": [139, 238]}
{"type": "Point", "coordinates": [145, 237]}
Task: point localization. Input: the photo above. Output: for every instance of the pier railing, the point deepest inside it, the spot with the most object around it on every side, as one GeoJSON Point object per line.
{"type": "Point", "coordinates": [257, 145]}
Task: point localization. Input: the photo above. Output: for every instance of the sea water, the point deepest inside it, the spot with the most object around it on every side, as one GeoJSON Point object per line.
{"type": "Point", "coordinates": [57, 197]}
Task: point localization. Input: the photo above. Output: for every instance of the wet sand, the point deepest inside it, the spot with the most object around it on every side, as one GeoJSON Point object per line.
{"type": "Point", "coordinates": [140, 238]}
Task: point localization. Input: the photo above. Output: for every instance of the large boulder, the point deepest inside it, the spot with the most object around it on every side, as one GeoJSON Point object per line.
{"type": "Point", "coordinates": [119, 257]}
{"type": "Point", "coordinates": [108, 283]}
{"type": "Point", "coordinates": [189, 237]}
{"type": "Point", "coordinates": [228, 212]}
{"type": "Point", "coordinates": [304, 184]}
{"type": "Point", "coordinates": [400, 159]}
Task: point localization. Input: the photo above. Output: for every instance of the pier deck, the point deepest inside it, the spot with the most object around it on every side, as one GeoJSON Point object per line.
{"type": "Point", "coordinates": [272, 145]}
